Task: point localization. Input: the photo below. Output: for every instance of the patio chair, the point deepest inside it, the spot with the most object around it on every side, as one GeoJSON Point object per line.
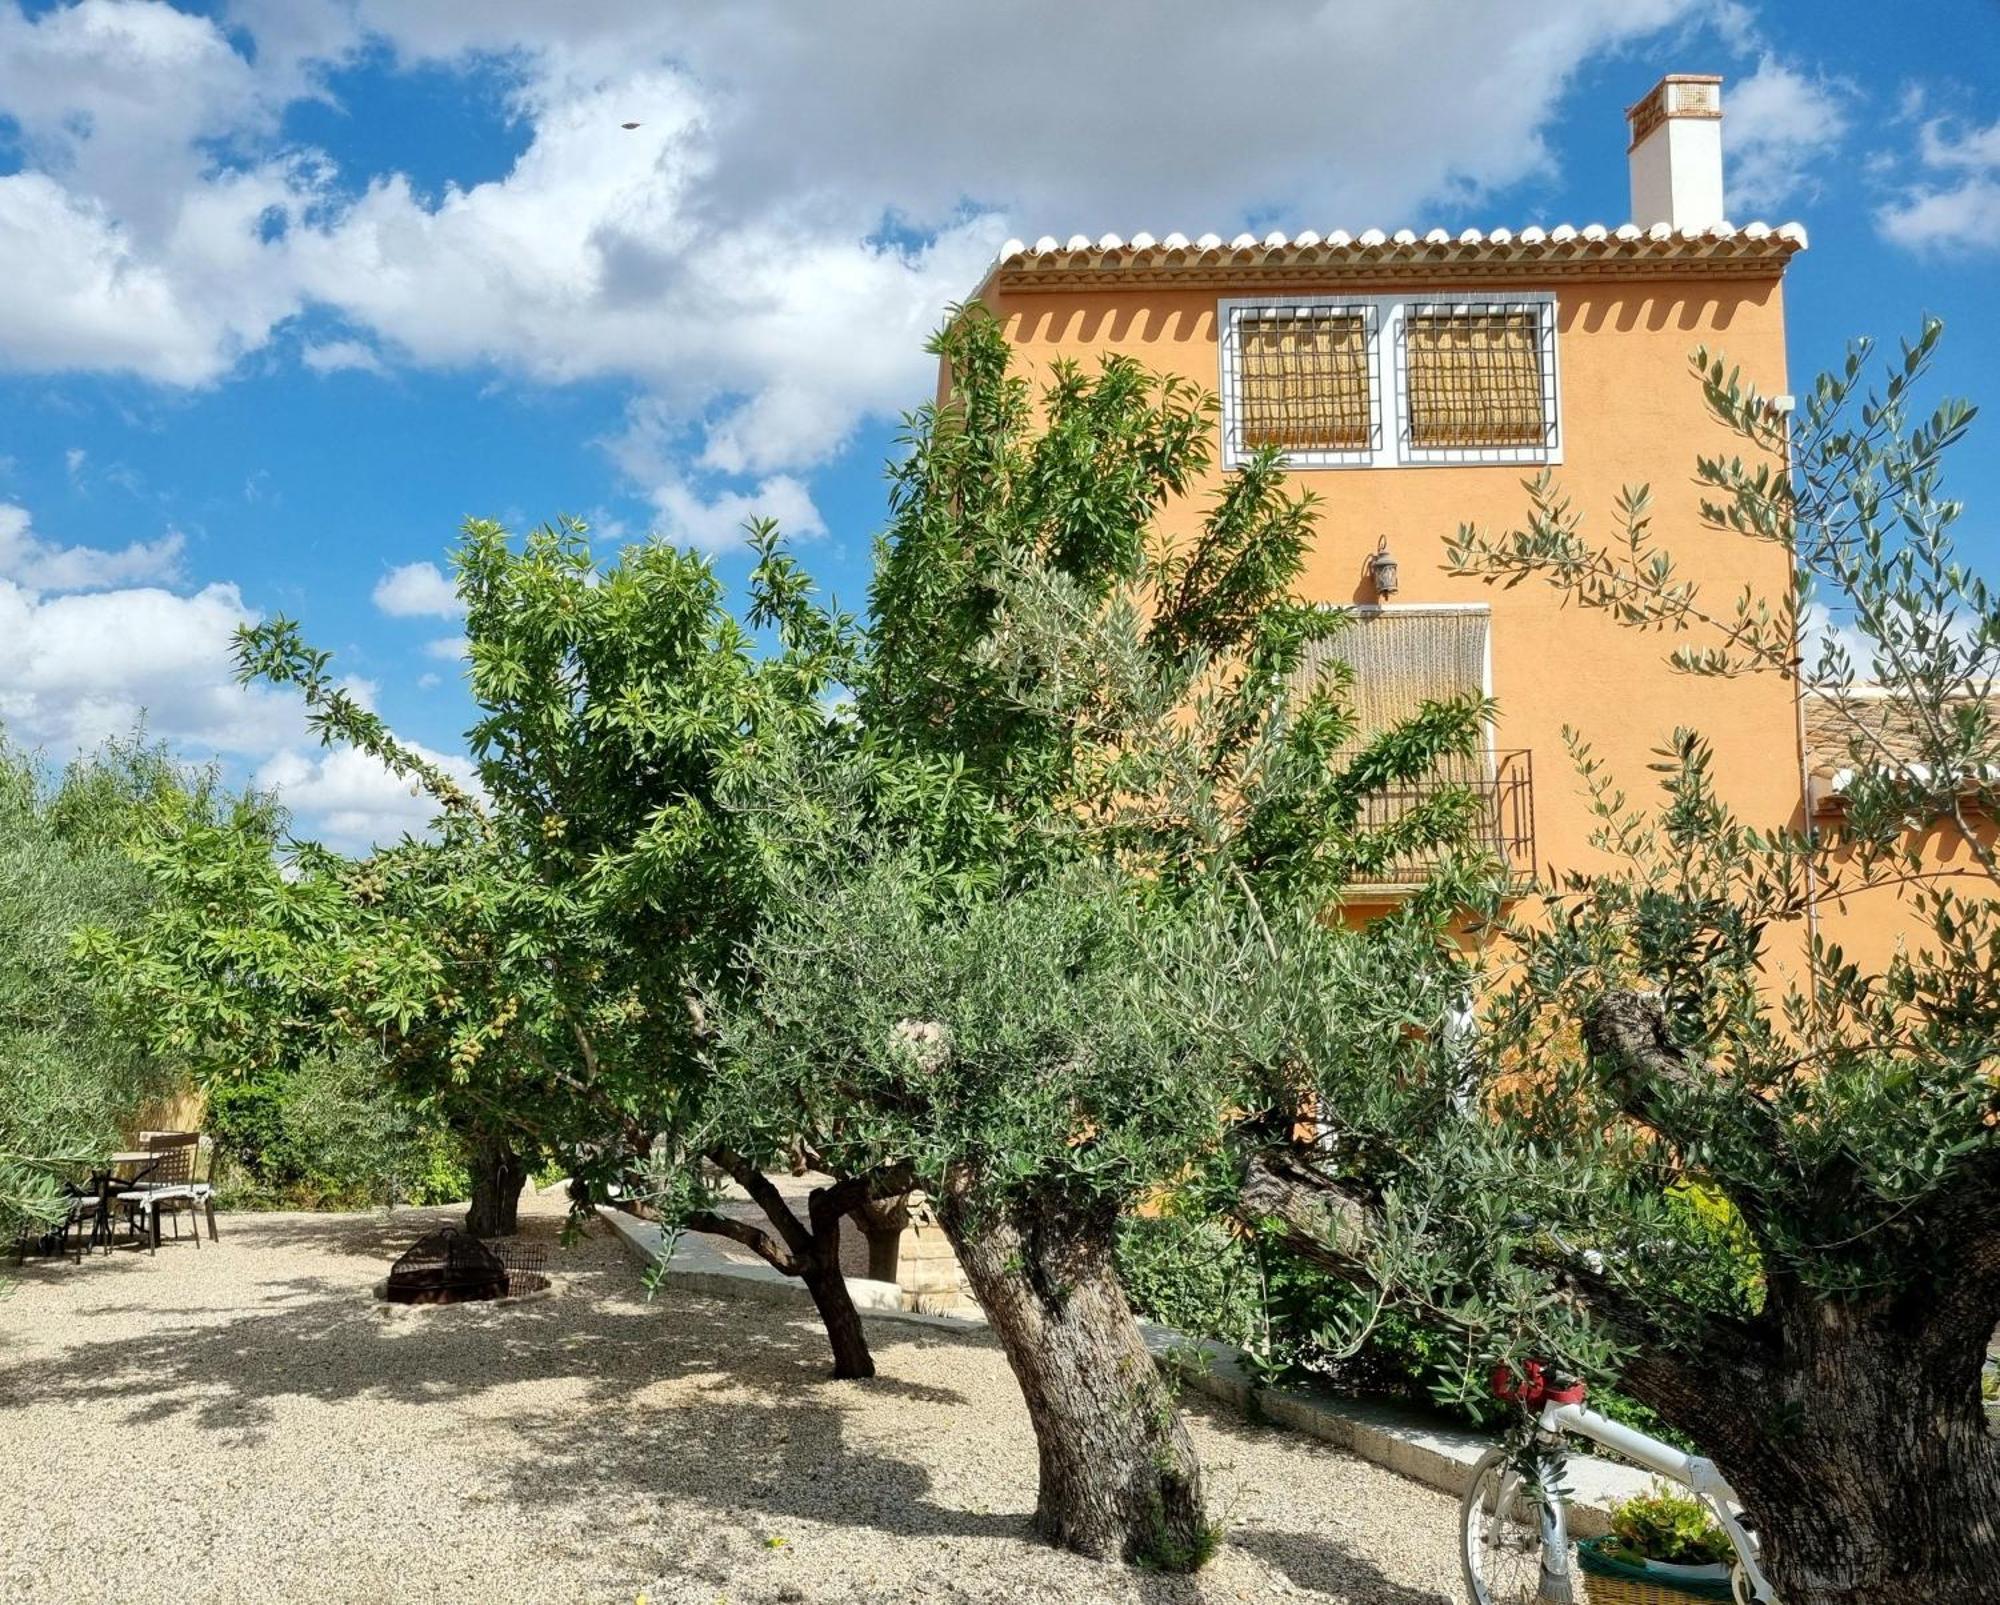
{"type": "Point", "coordinates": [89, 1207]}
{"type": "Point", "coordinates": [202, 1187]}
{"type": "Point", "coordinates": [166, 1186]}
{"type": "Point", "coordinates": [83, 1211]}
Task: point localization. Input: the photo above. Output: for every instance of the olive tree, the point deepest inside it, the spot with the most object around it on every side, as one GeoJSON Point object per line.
{"type": "Point", "coordinates": [74, 1069]}
{"type": "Point", "coordinates": [1717, 1158]}
{"type": "Point", "coordinates": [1071, 734]}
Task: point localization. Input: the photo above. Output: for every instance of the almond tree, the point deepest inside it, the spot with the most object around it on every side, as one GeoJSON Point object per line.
{"type": "Point", "coordinates": [529, 968]}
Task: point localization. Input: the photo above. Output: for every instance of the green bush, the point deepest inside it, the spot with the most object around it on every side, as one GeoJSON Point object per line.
{"type": "Point", "coordinates": [1191, 1275]}
{"type": "Point", "coordinates": [329, 1134]}
{"type": "Point", "coordinates": [1300, 1327]}
{"type": "Point", "coordinates": [71, 1073]}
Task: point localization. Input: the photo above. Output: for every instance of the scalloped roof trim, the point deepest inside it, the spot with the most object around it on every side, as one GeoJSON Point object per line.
{"type": "Point", "coordinates": [1565, 241]}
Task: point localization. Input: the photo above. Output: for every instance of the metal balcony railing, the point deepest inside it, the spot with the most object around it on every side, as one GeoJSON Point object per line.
{"type": "Point", "coordinates": [1503, 783]}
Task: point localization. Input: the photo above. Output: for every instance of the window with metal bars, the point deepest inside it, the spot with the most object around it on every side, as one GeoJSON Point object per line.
{"type": "Point", "coordinates": [1464, 378]}
{"type": "Point", "coordinates": [1475, 377]}
{"type": "Point", "coordinates": [1305, 380]}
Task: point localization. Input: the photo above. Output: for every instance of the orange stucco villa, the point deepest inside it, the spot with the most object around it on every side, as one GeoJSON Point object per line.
{"type": "Point", "coordinates": [1415, 380]}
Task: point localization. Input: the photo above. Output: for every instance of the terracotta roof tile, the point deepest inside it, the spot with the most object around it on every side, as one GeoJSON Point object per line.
{"type": "Point", "coordinates": [1833, 723]}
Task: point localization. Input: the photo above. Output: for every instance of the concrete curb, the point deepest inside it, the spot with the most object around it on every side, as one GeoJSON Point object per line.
{"type": "Point", "coordinates": [1411, 1442]}
{"type": "Point", "coordinates": [700, 1269]}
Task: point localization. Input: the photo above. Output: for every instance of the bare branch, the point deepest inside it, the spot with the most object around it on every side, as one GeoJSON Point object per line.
{"type": "Point", "coordinates": [1323, 1221]}
{"type": "Point", "coordinates": [750, 1236]}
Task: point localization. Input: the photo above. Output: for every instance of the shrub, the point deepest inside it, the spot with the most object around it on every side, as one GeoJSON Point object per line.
{"type": "Point", "coordinates": [1674, 1528]}
{"type": "Point", "coordinates": [71, 1074]}
{"type": "Point", "coordinates": [1192, 1275]}
{"type": "Point", "coordinates": [1302, 1327]}
{"type": "Point", "coordinates": [329, 1134]}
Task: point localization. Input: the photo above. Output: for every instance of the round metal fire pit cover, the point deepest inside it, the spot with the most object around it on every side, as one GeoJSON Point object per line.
{"type": "Point", "coordinates": [446, 1266]}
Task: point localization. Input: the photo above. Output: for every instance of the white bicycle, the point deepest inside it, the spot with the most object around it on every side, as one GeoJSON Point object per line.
{"type": "Point", "coordinates": [1515, 1526]}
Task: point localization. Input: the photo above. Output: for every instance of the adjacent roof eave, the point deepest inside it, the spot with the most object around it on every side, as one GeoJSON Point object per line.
{"type": "Point", "coordinates": [1595, 251]}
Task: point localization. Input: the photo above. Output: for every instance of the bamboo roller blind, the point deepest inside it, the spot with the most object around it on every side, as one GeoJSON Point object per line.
{"type": "Point", "coordinates": [1401, 660]}
{"type": "Point", "coordinates": [1474, 379]}
{"type": "Point", "coordinates": [1303, 383]}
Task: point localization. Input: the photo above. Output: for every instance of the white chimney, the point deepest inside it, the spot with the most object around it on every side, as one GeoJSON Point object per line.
{"type": "Point", "coordinates": [1676, 152]}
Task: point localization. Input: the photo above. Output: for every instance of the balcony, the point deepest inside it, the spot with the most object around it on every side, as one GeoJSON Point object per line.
{"type": "Point", "coordinates": [1503, 782]}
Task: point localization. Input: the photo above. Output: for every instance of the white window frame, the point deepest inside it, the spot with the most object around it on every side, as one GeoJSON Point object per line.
{"type": "Point", "coordinates": [1387, 366]}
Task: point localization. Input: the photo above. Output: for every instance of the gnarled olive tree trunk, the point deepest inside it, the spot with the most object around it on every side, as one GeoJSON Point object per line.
{"type": "Point", "coordinates": [1850, 1425]}
{"type": "Point", "coordinates": [1852, 1430]}
{"type": "Point", "coordinates": [498, 1175]}
{"type": "Point", "coordinates": [883, 1224]}
{"type": "Point", "coordinates": [1120, 1479]}
{"type": "Point", "coordinates": [1860, 1447]}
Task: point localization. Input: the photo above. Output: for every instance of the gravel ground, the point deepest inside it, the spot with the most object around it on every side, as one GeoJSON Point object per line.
{"type": "Point", "coordinates": [244, 1422]}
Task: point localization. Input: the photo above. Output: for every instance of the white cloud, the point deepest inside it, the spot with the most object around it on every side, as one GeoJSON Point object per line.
{"type": "Point", "coordinates": [417, 590]}
{"type": "Point", "coordinates": [766, 250]}
{"type": "Point", "coordinates": [1777, 124]}
{"type": "Point", "coordinates": [341, 356]}
{"type": "Point", "coordinates": [353, 799]}
{"type": "Point", "coordinates": [150, 82]}
{"type": "Point", "coordinates": [87, 652]}
{"type": "Point", "coordinates": [593, 256]}
{"type": "Point", "coordinates": [446, 648]}
{"type": "Point", "coordinates": [76, 669]}
{"type": "Point", "coordinates": [427, 681]}
{"type": "Point", "coordinates": [1971, 150]}
{"type": "Point", "coordinates": [83, 293]}
{"type": "Point", "coordinates": [1955, 204]}
{"type": "Point", "coordinates": [40, 565]}
{"type": "Point", "coordinates": [1819, 629]}
{"type": "Point", "coordinates": [74, 459]}
{"type": "Point", "coordinates": [1334, 108]}
{"type": "Point", "coordinates": [363, 691]}
{"type": "Point", "coordinates": [716, 522]}
{"type": "Point", "coordinates": [647, 451]}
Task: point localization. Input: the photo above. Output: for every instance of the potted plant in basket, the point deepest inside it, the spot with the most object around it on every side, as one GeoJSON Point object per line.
{"type": "Point", "coordinates": [1665, 1547]}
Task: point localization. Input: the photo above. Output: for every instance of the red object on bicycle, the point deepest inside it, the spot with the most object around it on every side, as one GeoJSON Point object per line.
{"type": "Point", "coordinates": [1536, 1387]}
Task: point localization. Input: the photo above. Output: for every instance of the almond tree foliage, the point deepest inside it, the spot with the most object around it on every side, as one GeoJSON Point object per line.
{"type": "Point", "coordinates": [529, 968]}
{"type": "Point", "coordinates": [72, 1070]}
{"type": "Point", "coordinates": [1721, 1161]}
{"type": "Point", "coordinates": [1073, 737]}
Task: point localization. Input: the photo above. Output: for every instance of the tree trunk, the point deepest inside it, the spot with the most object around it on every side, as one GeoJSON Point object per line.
{"type": "Point", "coordinates": [824, 1279]}
{"type": "Point", "coordinates": [883, 1223]}
{"type": "Point", "coordinates": [1852, 1430]}
{"type": "Point", "coordinates": [1119, 1474]}
{"type": "Point", "coordinates": [808, 1249]}
{"type": "Point", "coordinates": [498, 1175]}
{"type": "Point", "coordinates": [837, 1313]}
{"type": "Point", "coordinates": [1866, 1461]}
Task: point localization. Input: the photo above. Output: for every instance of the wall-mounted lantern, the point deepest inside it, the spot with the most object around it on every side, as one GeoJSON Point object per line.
{"type": "Point", "coordinates": [1382, 570]}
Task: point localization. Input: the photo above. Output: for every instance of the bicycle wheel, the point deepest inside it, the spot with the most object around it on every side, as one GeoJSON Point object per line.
{"type": "Point", "coordinates": [1500, 1525]}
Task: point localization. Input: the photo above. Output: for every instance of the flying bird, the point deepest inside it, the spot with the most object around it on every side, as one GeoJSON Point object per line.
{"type": "Point", "coordinates": [628, 125]}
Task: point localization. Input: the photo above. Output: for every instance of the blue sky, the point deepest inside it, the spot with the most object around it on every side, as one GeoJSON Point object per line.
{"type": "Point", "coordinates": [288, 288]}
